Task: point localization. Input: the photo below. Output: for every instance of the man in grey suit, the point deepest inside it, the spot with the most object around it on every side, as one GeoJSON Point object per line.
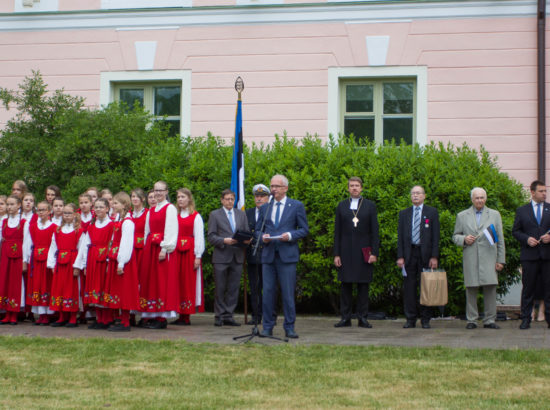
{"type": "Point", "coordinates": [478, 230]}
{"type": "Point", "coordinates": [227, 258]}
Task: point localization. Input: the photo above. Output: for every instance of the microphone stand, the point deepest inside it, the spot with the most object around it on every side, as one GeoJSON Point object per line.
{"type": "Point", "coordinates": [255, 331]}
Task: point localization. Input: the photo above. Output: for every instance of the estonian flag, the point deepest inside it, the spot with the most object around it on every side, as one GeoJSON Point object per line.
{"type": "Point", "coordinates": [491, 234]}
{"type": "Point", "coordinates": [237, 169]}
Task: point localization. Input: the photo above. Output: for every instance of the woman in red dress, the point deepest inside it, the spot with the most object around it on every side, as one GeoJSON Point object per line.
{"type": "Point", "coordinates": [11, 262]}
{"type": "Point", "coordinates": [57, 210]}
{"type": "Point", "coordinates": [63, 251]}
{"type": "Point", "coordinates": [92, 256]}
{"type": "Point", "coordinates": [139, 216]}
{"type": "Point", "coordinates": [122, 290]}
{"type": "Point", "coordinates": [38, 238]}
{"type": "Point", "coordinates": [52, 192]}
{"type": "Point", "coordinates": [189, 250]}
{"type": "Point", "coordinates": [159, 291]}
{"type": "Point", "coordinates": [85, 210]}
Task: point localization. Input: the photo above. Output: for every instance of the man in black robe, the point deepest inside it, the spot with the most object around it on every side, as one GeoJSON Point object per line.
{"type": "Point", "coordinates": [356, 244]}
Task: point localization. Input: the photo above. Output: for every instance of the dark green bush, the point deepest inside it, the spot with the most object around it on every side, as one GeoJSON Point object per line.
{"type": "Point", "coordinates": [54, 139]}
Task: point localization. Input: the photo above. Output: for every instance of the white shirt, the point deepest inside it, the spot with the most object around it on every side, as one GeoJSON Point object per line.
{"type": "Point", "coordinates": [231, 216]}
{"type": "Point", "coordinates": [354, 203]}
{"type": "Point", "coordinates": [138, 213]}
{"type": "Point", "coordinates": [198, 233]}
{"type": "Point", "coordinates": [534, 204]}
{"type": "Point", "coordinates": [170, 226]}
{"type": "Point", "coordinates": [27, 241]}
{"type": "Point", "coordinates": [274, 212]}
{"type": "Point", "coordinates": [52, 259]}
{"type": "Point", "coordinates": [421, 206]}
{"type": "Point", "coordinates": [126, 246]}
{"type": "Point", "coordinates": [57, 220]}
{"type": "Point", "coordinates": [82, 257]}
{"type": "Point", "coordinates": [86, 218]}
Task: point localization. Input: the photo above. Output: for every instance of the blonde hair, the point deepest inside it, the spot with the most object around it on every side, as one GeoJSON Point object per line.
{"type": "Point", "coordinates": [124, 199]}
{"type": "Point", "coordinates": [191, 207]}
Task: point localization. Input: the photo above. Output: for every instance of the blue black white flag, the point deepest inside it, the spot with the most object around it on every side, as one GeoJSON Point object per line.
{"type": "Point", "coordinates": [237, 169]}
{"type": "Point", "coordinates": [491, 234]}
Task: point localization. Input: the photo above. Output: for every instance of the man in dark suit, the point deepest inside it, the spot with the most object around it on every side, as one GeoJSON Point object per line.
{"type": "Point", "coordinates": [227, 258]}
{"type": "Point", "coordinates": [417, 249]}
{"type": "Point", "coordinates": [254, 261]}
{"type": "Point", "coordinates": [531, 228]}
{"type": "Point", "coordinates": [285, 224]}
{"type": "Point", "coordinates": [355, 229]}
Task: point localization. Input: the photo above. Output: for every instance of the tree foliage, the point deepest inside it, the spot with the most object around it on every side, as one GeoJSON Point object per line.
{"type": "Point", "coordinates": [54, 139]}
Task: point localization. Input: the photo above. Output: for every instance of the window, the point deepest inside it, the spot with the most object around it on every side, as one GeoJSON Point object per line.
{"type": "Point", "coordinates": [165, 94]}
{"type": "Point", "coordinates": [162, 100]}
{"type": "Point", "coordinates": [379, 103]}
{"type": "Point", "coordinates": [379, 110]}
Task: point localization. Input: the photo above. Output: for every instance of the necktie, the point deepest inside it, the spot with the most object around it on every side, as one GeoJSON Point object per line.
{"type": "Point", "coordinates": [277, 214]}
{"type": "Point", "coordinates": [478, 217]}
{"type": "Point", "coordinates": [230, 217]}
{"type": "Point", "coordinates": [539, 217]}
{"type": "Point", "coordinates": [416, 226]}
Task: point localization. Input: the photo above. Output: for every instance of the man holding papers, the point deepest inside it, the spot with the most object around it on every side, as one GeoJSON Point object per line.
{"type": "Point", "coordinates": [478, 230]}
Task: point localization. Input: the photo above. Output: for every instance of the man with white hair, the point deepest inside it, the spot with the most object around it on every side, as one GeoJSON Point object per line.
{"type": "Point", "coordinates": [478, 230]}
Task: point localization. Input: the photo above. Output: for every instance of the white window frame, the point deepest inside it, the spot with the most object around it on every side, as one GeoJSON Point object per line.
{"type": "Point", "coordinates": [110, 80]}
{"type": "Point", "coordinates": [338, 75]}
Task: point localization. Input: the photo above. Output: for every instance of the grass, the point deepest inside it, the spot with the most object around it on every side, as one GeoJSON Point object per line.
{"type": "Point", "coordinates": [98, 373]}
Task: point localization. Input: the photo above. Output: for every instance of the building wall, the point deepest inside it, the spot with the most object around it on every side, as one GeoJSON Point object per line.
{"type": "Point", "coordinates": [481, 66]}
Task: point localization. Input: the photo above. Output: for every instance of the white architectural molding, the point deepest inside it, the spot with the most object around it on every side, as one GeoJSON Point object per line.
{"type": "Point", "coordinates": [145, 54]}
{"type": "Point", "coordinates": [336, 74]}
{"type": "Point", "coordinates": [143, 4]}
{"type": "Point", "coordinates": [109, 79]}
{"type": "Point", "coordinates": [258, 2]}
{"type": "Point", "coordinates": [286, 13]}
{"type": "Point", "coordinates": [377, 49]}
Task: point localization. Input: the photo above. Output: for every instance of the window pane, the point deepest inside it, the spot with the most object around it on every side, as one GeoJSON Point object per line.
{"type": "Point", "coordinates": [174, 126]}
{"type": "Point", "coordinates": [398, 128]}
{"type": "Point", "coordinates": [398, 98]}
{"type": "Point", "coordinates": [167, 100]}
{"type": "Point", "coordinates": [130, 96]}
{"type": "Point", "coordinates": [360, 127]}
{"type": "Point", "coordinates": [359, 98]}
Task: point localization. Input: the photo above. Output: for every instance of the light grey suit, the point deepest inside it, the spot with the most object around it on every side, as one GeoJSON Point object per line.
{"type": "Point", "coordinates": [480, 259]}
{"type": "Point", "coordinates": [227, 261]}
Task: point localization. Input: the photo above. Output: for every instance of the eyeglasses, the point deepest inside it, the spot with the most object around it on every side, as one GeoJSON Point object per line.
{"type": "Point", "coordinates": [277, 186]}
{"type": "Point", "coordinates": [159, 190]}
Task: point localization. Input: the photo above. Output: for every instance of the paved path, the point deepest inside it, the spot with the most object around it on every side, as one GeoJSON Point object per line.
{"type": "Point", "coordinates": [320, 330]}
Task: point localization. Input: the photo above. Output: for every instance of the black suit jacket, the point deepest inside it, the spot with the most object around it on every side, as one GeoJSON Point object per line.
{"type": "Point", "coordinates": [525, 225]}
{"type": "Point", "coordinates": [429, 234]}
{"type": "Point", "coordinates": [250, 258]}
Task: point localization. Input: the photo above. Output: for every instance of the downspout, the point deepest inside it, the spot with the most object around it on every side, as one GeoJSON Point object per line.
{"type": "Point", "coordinates": [541, 88]}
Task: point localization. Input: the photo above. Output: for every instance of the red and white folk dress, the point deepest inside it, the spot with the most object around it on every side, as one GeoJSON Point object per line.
{"type": "Point", "coordinates": [35, 254]}
{"type": "Point", "coordinates": [189, 247]}
{"type": "Point", "coordinates": [62, 255]}
{"type": "Point", "coordinates": [122, 291]}
{"type": "Point", "coordinates": [159, 296]}
{"type": "Point", "coordinates": [11, 267]}
{"type": "Point", "coordinates": [139, 219]}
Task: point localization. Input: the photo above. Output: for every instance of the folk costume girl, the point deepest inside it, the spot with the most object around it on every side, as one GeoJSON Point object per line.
{"type": "Point", "coordinates": [51, 193]}
{"type": "Point", "coordinates": [27, 208]}
{"type": "Point", "coordinates": [122, 289]}
{"type": "Point", "coordinates": [85, 211]}
{"type": "Point", "coordinates": [57, 211]}
{"type": "Point", "coordinates": [159, 293]}
{"type": "Point", "coordinates": [19, 189]}
{"type": "Point", "coordinates": [108, 195]}
{"type": "Point", "coordinates": [61, 256]}
{"type": "Point", "coordinates": [139, 216]}
{"type": "Point", "coordinates": [94, 193]}
{"type": "Point", "coordinates": [92, 256]}
{"type": "Point", "coordinates": [38, 238]}
{"type": "Point", "coordinates": [188, 253]}
{"type": "Point", "coordinates": [12, 288]}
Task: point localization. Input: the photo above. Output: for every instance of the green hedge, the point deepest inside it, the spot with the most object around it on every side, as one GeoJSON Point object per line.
{"type": "Point", "coordinates": [55, 140]}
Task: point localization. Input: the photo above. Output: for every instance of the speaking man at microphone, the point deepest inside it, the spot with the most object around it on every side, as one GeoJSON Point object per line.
{"type": "Point", "coordinates": [285, 224]}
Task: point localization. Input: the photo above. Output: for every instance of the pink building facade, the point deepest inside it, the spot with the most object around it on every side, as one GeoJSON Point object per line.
{"type": "Point", "coordinates": [452, 71]}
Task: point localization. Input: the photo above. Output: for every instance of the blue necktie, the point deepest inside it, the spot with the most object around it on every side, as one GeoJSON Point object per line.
{"type": "Point", "coordinates": [478, 217]}
{"type": "Point", "coordinates": [539, 216]}
{"type": "Point", "coordinates": [231, 221]}
{"type": "Point", "coordinates": [277, 214]}
{"type": "Point", "coordinates": [416, 226]}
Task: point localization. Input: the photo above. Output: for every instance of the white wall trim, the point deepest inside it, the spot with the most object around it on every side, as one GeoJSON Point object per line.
{"type": "Point", "coordinates": [37, 6]}
{"type": "Point", "coordinates": [335, 74]}
{"type": "Point", "coordinates": [107, 89]}
{"type": "Point", "coordinates": [363, 12]}
{"type": "Point", "coordinates": [139, 4]}
{"type": "Point", "coordinates": [145, 54]}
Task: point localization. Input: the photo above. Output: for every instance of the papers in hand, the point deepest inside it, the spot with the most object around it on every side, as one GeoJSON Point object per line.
{"type": "Point", "coordinates": [403, 271]}
{"type": "Point", "coordinates": [275, 238]}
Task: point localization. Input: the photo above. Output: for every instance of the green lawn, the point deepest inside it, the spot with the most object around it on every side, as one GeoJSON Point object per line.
{"type": "Point", "coordinates": [98, 373]}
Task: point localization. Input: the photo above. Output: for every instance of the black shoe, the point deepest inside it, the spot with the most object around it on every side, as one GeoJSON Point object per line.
{"type": "Point", "coordinates": [218, 322]}
{"type": "Point", "coordinates": [251, 322]}
{"type": "Point", "coordinates": [525, 324]}
{"type": "Point", "coordinates": [71, 325]}
{"type": "Point", "coordinates": [491, 326]}
{"type": "Point", "coordinates": [119, 327]}
{"type": "Point", "coordinates": [426, 325]}
{"type": "Point", "coordinates": [155, 324]}
{"type": "Point", "coordinates": [58, 324]}
{"type": "Point", "coordinates": [13, 323]}
{"type": "Point", "coordinates": [93, 325]}
{"type": "Point", "coordinates": [266, 333]}
{"type": "Point", "coordinates": [291, 334]}
{"type": "Point", "coordinates": [102, 326]}
{"type": "Point", "coordinates": [471, 325]}
{"type": "Point", "coordinates": [343, 323]}
{"type": "Point", "coordinates": [364, 323]}
{"type": "Point", "coordinates": [409, 324]}
{"type": "Point", "coordinates": [230, 322]}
